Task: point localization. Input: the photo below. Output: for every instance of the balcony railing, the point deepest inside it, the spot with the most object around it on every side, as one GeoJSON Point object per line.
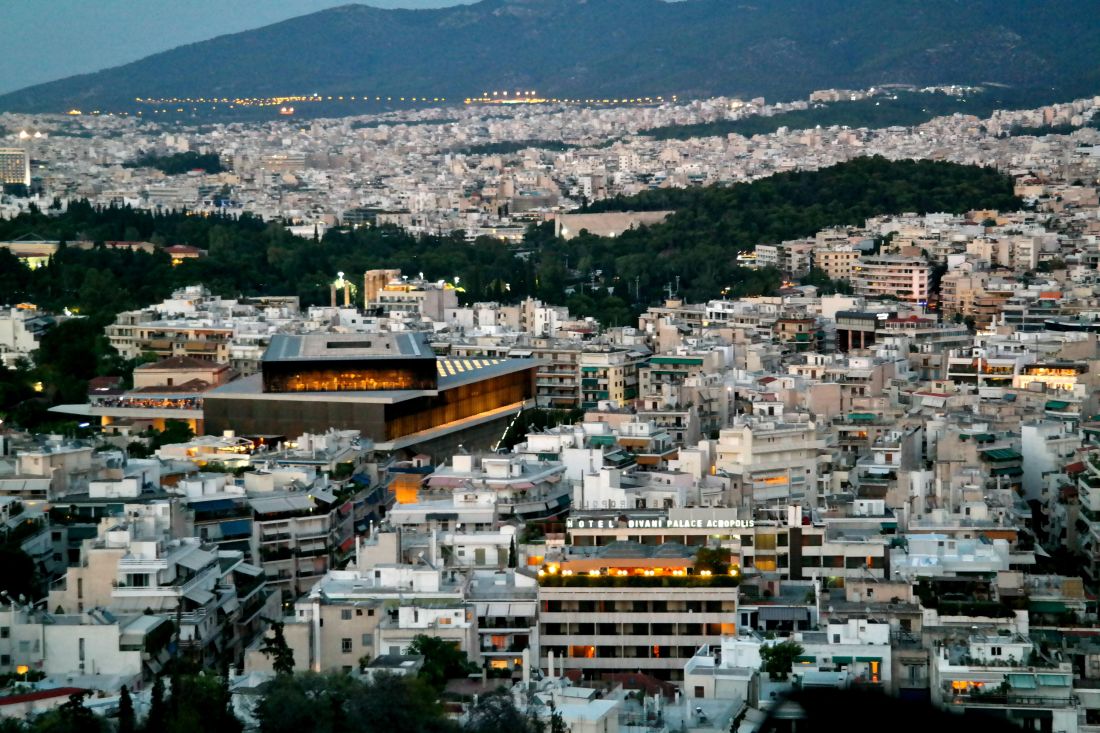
{"type": "Point", "coordinates": [1014, 700]}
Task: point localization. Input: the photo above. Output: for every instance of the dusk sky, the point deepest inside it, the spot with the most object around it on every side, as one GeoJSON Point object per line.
{"type": "Point", "coordinates": [52, 39]}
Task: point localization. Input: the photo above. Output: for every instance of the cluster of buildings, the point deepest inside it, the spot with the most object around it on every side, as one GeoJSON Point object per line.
{"type": "Point", "coordinates": [452, 169]}
{"type": "Point", "coordinates": [892, 485]}
{"type": "Point", "coordinates": [903, 495]}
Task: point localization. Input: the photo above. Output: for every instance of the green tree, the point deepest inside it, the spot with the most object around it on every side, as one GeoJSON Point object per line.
{"type": "Point", "coordinates": [71, 717]}
{"type": "Point", "coordinates": [201, 702]}
{"type": "Point", "coordinates": [557, 722]}
{"type": "Point", "coordinates": [497, 712]}
{"type": "Point", "coordinates": [154, 722]}
{"type": "Point", "coordinates": [19, 577]}
{"type": "Point", "coordinates": [338, 703]}
{"type": "Point", "coordinates": [126, 722]}
{"type": "Point", "coordinates": [305, 702]}
{"type": "Point", "coordinates": [443, 660]}
{"type": "Point", "coordinates": [714, 559]}
{"type": "Point", "coordinates": [779, 658]}
{"type": "Point", "coordinates": [512, 553]}
{"type": "Point", "coordinates": [276, 648]}
{"type": "Point", "coordinates": [12, 725]}
{"type": "Point", "coordinates": [175, 431]}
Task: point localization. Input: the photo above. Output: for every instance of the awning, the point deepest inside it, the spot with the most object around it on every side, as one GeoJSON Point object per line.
{"type": "Point", "coordinates": [280, 504]}
{"type": "Point", "coordinates": [869, 659]}
{"type": "Point", "coordinates": [842, 660]}
{"type": "Point", "coordinates": [196, 560]}
{"type": "Point", "coordinates": [323, 495]}
{"type": "Point", "coordinates": [347, 544]}
{"type": "Point", "coordinates": [199, 596]}
{"type": "Point", "coordinates": [249, 569]}
{"type": "Point", "coordinates": [522, 485]}
{"type": "Point", "coordinates": [1022, 681]}
{"type": "Point", "coordinates": [1057, 405]}
{"type": "Point", "coordinates": [1001, 454]}
{"type": "Point", "coordinates": [1053, 680]}
{"type": "Point", "coordinates": [1047, 607]}
{"type": "Point", "coordinates": [213, 505]}
{"type": "Point", "coordinates": [784, 613]}
{"type": "Point", "coordinates": [1007, 471]}
{"type": "Point", "coordinates": [237, 528]}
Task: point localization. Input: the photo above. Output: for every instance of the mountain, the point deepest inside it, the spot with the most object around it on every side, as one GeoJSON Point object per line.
{"type": "Point", "coordinates": [616, 48]}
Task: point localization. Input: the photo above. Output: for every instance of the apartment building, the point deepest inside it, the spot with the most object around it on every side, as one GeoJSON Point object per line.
{"type": "Point", "coordinates": [838, 263]}
{"type": "Point", "coordinates": [136, 565]}
{"type": "Point", "coordinates": [298, 535]}
{"type": "Point", "coordinates": [351, 614]}
{"type": "Point", "coordinates": [609, 375]}
{"type": "Point", "coordinates": [772, 459]}
{"type": "Point", "coordinates": [893, 276]}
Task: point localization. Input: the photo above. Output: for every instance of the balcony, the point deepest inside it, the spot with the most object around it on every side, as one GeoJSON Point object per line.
{"type": "Point", "coordinates": [1012, 700]}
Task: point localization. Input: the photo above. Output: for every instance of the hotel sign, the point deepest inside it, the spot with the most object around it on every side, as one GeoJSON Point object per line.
{"type": "Point", "coordinates": [657, 523]}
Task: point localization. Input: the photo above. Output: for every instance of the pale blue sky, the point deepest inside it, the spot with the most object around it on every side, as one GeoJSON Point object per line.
{"type": "Point", "coordinates": [51, 39]}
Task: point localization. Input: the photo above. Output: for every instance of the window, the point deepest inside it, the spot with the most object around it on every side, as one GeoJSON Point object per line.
{"type": "Point", "coordinates": [870, 592]}
{"type": "Point", "coordinates": [358, 612]}
{"type": "Point", "coordinates": [4, 632]}
{"type": "Point", "coordinates": [370, 611]}
{"type": "Point", "coordinates": [699, 691]}
{"type": "Point", "coordinates": [345, 614]}
{"type": "Point", "coordinates": [915, 676]}
{"type": "Point", "coordinates": [995, 651]}
{"type": "Point", "coordinates": [367, 640]}
{"type": "Point", "coordinates": [836, 638]}
{"type": "Point", "coordinates": [345, 646]}
{"type": "Point", "coordinates": [5, 660]}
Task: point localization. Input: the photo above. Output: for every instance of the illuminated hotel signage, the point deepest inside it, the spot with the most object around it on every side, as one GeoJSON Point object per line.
{"type": "Point", "coordinates": [657, 523]}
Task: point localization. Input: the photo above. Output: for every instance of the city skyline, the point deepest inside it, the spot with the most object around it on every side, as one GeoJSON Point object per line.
{"type": "Point", "coordinates": [535, 410]}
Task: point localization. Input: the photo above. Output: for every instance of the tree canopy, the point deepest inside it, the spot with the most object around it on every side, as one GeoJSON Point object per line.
{"type": "Point", "coordinates": [693, 254]}
{"type": "Point", "coordinates": [339, 703]}
{"type": "Point", "coordinates": [443, 660]}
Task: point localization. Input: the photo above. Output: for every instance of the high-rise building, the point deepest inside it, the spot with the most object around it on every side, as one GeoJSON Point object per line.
{"type": "Point", "coordinates": [15, 166]}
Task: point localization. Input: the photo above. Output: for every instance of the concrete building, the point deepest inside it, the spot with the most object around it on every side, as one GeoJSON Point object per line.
{"type": "Point", "coordinates": [893, 276]}
{"type": "Point", "coordinates": [772, 459]}
{"type": "Point", "coordinates": [15, 167]}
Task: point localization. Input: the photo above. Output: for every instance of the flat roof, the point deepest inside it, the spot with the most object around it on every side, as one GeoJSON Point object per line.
{"type": "Point", "coordinates": [345, 346]}
{"type": "Point", "coordinates": [453, 372]}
